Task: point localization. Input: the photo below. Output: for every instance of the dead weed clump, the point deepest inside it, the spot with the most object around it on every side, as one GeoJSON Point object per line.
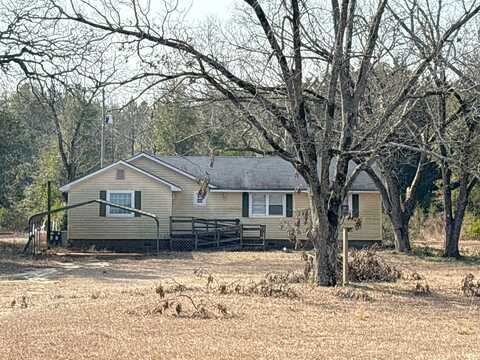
{"type": "Point", "coordinates": [366, 265]}
{"type": "Point", "coordinates": [23, 304]}
{"type": "Point", "coordinates": [470, 286]}
{"type": "Point", "coordinates": [290, 277]}
{"type": "Point", "coordinates": [422, 289]}
{"type": "Point", "coordinates": [175, 288]}
{"type": "Point", "coordinates": [352, 294]}
{"type": "Point", "coordinates": [180, 305]}
{"type": "Point", "coordinates": [185, 306]}
{"type": "Point", "coordinates": [273, 285]}
{"type": "Point", "coordinates": [412, 276]}
{"type": "Point", "coordinates": [266, 288]}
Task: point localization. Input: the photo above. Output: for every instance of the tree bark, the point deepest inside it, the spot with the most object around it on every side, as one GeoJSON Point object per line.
{"type": "Point", "coordinates": [399, 212]}
{"type": "Point", "coordinates": [400, 223]}
{"type": "Point", "coordinates": [452, 239]}
{"type": "Point", "coordinates": [454, 221]}
{"type": "Point", "coordinates": [325, 242]}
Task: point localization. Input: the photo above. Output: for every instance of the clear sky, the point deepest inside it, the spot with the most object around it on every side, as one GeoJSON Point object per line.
{"type": "Point", "coordinates": [202, 8]}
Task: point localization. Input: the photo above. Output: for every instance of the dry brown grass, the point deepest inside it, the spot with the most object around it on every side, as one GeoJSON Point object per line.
{"type": "Point", "coordinates": [102, 307]}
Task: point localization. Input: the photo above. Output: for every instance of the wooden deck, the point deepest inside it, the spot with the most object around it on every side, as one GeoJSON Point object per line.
{"type": "Point", "coordinates": [215, 233]}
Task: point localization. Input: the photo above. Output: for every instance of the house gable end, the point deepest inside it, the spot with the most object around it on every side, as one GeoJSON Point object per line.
{"type": "Point", "coordinates": [121, 164]}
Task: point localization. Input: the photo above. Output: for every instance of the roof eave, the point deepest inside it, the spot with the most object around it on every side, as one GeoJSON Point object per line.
{"type": "Point", "coordinates": [260, 190]}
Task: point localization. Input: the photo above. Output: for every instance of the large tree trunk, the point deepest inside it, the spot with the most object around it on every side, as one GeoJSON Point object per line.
{"type": "Point", "coordinates": [398, 211]}
{"type": "Point", "coordinates": [402, 239]}
{"type": "Point", "coordinates": [454, 222]}
{"type": "Point", "coordinates": [325, 242]}
{"type": "Point", "coordinates": [452, 238]}
{"type": "Point", "coordinates": [400, 222]}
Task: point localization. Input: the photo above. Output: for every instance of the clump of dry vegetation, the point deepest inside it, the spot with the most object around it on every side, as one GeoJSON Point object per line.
{"type": "Point", "coordinates": [173, 300]}
{"type": "Point", "coordinates": [352, 294]}
{"type": "Point", "coordinates": [181, 305]}
{"type": "Point", "coordinates": [175, 288]}
{"type": "Point", "coordinates": [184, 306]}
{"type": "Point", "coordinates": [366, 265]}
{"type": "Point", "coordinates": [470, 286]}
{"type": "Point", "coordinates": [22, 303]}
{"type": "Point", "coordinates": [422, 289]}
{"type": "Point", "coordinates": [291, 277]}
{"type": "Point", "coordinates": [412, 276]}
{"type": "Point", "coordinates": [273, 285]}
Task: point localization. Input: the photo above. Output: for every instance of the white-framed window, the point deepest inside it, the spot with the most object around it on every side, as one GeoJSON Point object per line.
{"type": "Point", "coordinates": [351, 205]}
{"type": "Point", "coordinates": [199, 199]}
{"type": "Point", "coordinates": [120, 197]}
{"type": "Point", "coordinates": [267, 204]}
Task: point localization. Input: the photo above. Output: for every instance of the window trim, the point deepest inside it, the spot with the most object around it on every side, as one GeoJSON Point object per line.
{"type": "Point", "coordinates": [267, 207]}
{"type": "Point", "coordinates": [109, 192]}
{"type": "Point", "coordinates": [350, 202]}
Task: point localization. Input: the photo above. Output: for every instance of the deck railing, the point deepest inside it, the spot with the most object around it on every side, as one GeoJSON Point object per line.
{"type": "Point", "coordinates": [219, 233]}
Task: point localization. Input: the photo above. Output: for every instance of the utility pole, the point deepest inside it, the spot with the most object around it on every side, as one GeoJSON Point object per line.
{"type": "Point", "coordinates": [102, 140]}
{"type": "Point", "coordinates": [345, 256]}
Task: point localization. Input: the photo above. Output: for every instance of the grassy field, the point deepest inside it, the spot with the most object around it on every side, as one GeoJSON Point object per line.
{"type": "Point", "coordinates": [105, 306]}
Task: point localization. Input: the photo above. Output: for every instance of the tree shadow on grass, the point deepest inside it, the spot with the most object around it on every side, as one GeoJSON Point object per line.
{"type": "Point", "coordinates": [440, 300]}
{"type": "Point", "coordinates": [432, 254]}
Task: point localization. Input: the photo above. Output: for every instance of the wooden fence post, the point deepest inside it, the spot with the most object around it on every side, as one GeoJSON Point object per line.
{"type": "Point", "coordinates": [240, 233]}
{"type": "Point", "coordinates": [49, 216]}
{"type": "Point", "coordinates": [345, 256]}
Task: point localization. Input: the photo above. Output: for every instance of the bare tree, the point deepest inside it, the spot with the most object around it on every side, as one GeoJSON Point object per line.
{"type": "Point", "coordinates": [457, 143]}
{"type": "Point", "coordinates": [74, 112]}
{"type": "Point", "coordinates": [451, 100]}
{"type": "Point", "coordinates": [296, 73]}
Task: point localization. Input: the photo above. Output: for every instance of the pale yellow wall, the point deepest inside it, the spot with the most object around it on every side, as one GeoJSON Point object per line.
{"type": "Point", "coordinates": [229, 205]}
{"type": "Point", "coordinates": [84, 223]}
{"type": "Point", "coordinates": [274, 225]}
{"type": "Point", "coordinates": [370, 205]}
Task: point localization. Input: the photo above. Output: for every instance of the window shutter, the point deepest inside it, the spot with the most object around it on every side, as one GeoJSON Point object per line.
{"type": "Point", "coordinates": [355, 205]}
{"type": "Point", "coordinates": [289, 210]}
{"type": "Point", "coordinates": [103, 207]}
{"type": "Point", "coordinates": [138, 202]}
{"type": "Point", "coordinates": [245, 204]}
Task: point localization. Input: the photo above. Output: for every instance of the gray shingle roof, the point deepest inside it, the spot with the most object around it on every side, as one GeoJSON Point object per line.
{"type": "Point", "coordinates": [253, 173]}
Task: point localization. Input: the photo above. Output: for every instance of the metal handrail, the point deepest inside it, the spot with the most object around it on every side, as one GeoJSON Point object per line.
{"type": "Point", "coordinates": [31, 238]}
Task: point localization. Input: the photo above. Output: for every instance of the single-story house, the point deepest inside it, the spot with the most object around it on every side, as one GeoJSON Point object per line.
{"type": "Point", "coordinates": [255, 190]}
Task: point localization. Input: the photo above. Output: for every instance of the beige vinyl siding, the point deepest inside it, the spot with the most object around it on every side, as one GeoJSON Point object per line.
{"type": "Point", "coordinates": [229, 205]}
{"type": "Point", "coordinates": [274, 224]}
{"type": "Point", "coordinates": [219, 204]}
{"type": "Point", "coordinates": [370, 207]}
{"type": "Point", "coordinates": [84, 223]}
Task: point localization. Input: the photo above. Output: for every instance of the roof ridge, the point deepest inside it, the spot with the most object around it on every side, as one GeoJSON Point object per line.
{"type": "Point", "coordinates": [222, 156]}
{"type": "Point", "coordinates": [149, 173]}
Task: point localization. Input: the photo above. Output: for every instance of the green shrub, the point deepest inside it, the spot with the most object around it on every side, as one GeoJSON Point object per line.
{"type": "Point", "coordinates": [471, 230]}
